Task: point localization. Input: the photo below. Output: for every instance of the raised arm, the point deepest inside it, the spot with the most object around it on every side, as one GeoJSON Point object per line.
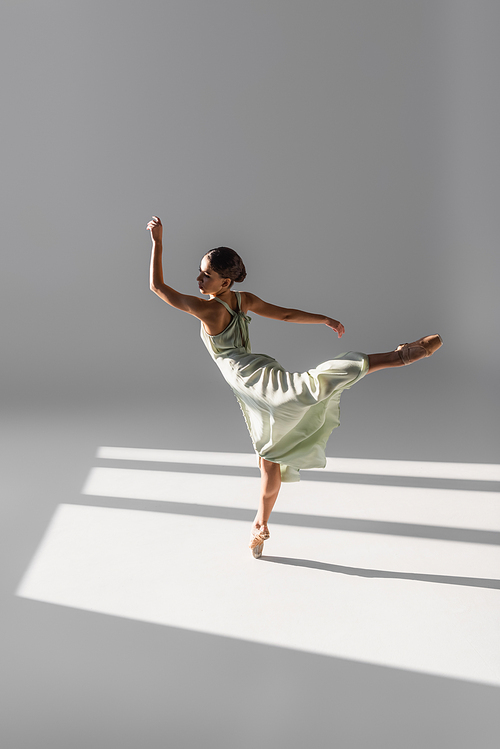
{"type": "Point", "coordinates": [184, 302]}
{"type": "Point", "coordinates": [265, 309]}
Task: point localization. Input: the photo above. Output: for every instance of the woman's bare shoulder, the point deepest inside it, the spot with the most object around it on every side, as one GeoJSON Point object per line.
{"type": "Point", "coordinates": [248, 300]}
{"type": "Point", "coordinates": [249, 297]}
{"type": "Point", "coordinates": [252, 303]}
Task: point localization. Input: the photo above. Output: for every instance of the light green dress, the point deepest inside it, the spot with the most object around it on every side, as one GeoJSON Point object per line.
{"type": "Point", "coordinates": [290, 415]}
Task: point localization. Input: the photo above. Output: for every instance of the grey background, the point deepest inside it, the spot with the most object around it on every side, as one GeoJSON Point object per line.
{"type": "Point", "coordinates": [349, 151]}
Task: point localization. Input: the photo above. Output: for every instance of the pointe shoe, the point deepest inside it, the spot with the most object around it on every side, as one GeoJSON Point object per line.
{"type": "Point", "coordinates": [257, 551]}
{"type": "Point", "coordinates": [257, 540]}
{"type": "Point", "coordinates": [411, 352]}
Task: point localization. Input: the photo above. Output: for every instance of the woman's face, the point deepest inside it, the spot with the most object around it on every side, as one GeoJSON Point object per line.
{"type": "Point", "coordinates": [209, 281]}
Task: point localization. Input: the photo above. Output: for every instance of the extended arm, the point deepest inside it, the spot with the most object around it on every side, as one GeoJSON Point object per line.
{"type": "Point", "coordinates": [291, 315]}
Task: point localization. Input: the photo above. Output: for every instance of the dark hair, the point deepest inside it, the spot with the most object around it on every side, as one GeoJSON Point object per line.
{"type": "Point", "coordinates": [227, 263]}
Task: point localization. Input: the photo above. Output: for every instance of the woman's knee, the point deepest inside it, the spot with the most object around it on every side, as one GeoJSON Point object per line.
{"type": "Point", "coordinates": [267, 466]}
{"type": "Point", "coordinates": [271, 478]}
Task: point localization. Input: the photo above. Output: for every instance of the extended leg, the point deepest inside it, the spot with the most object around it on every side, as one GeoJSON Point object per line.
{"type": "Point", "coordinates": [384, 361]}
{"type": "Point", "coordinates": [407, 353]}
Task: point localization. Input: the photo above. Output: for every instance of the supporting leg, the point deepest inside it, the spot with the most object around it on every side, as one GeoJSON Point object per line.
{"type": "Point", "coordinates": [269, 490]}
{"type": "Point", "coordinates": [270, 485]}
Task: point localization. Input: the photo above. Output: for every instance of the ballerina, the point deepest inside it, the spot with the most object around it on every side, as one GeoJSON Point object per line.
{"type": "Point", "coordinates": [290, 415]}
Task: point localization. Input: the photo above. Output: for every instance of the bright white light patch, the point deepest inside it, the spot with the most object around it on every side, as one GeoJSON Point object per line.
{"type": "Point", "coordinates": [241, 460]}
{"type": "Point", "coordinates": [429, 605]}
{"type": "Point", "coordinates": [197, 573]}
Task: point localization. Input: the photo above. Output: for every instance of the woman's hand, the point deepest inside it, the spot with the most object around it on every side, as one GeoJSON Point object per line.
{"type": "Point", "coordinates": [156, 229]}
{"type": "Point", "coordinates": [336, 326]}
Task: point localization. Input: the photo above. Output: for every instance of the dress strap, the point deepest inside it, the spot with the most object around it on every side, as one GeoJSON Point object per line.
{"type": "Point", "coordinates": [225, 305]}
{"type": "Point", "coordinates": [243, 320]}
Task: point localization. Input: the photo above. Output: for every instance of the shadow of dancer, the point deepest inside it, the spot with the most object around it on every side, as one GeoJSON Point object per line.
{"type": "Point", "coordinates": [475, 582]}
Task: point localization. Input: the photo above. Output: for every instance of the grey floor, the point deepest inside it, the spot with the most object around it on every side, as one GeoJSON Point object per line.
{"type": "Point", "coordinates": [80, 678]}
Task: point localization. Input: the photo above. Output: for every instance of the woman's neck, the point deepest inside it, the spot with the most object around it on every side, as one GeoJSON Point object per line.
{"type": "Point", "coordinates": [224, 295]}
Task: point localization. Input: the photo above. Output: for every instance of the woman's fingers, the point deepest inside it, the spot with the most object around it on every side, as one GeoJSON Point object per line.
{"type": "Point", "coordinates": [337, 327]}
{"type": "Point", "coordinates": [155, 221]}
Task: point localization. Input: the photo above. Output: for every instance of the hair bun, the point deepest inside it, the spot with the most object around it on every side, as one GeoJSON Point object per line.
{"type": "Point", "coordinates": [227, 263]}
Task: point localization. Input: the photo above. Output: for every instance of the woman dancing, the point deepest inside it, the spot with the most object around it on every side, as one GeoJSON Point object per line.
{"type": "Point", "coordinates": [289, 415]}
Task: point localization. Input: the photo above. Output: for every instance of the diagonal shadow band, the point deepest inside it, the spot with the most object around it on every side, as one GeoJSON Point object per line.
{"type": "Point", "coordinates": [356, 525]}
{"type": "Point", "coordinates": [476, 582]}
{"type": "Point", "coordinates": [423, 482]}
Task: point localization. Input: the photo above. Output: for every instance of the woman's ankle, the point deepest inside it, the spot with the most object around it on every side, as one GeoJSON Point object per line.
{"type": "Point", "coordinates": [384, 361]}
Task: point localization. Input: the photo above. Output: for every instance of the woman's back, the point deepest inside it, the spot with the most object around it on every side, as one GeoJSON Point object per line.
{"type": "Point", "coordinates": [234, 337]}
